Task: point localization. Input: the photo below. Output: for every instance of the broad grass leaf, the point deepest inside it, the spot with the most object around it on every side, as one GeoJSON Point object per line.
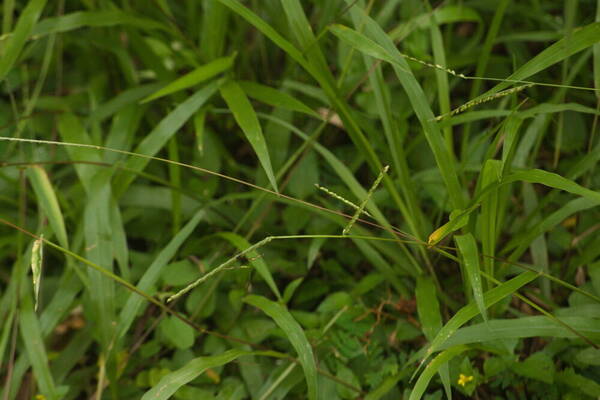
{"type": "Point", "coordinates": [71, 130]}
{"type": "Point", "coordinates": [431, 369]}
{"type": "Point", "coordinates": [571, 44]}
{"type": "Point", "coordinates": [35, 348]}
{"type": "Point", "coordinates": [152, 273]}
{"type": "Point", "coordinates": [276, 98]}
{"type": "Point", "coordinates": [552, 180]}
{"type": "Point", "coordinates": [246, 118]}
{"type": "Point", "coordinates": [119, 240]}
{"type": "Point", "coordinates": [98, 241]}
{"type": "Point", "coordinates": [361, 43]}
{"type": "Point", "coordinates": [470, 256]}
{"type": "Point", "coordinates": [469, 311]}
{"type": "Point", "coordinates": [444, 14]}
{"type": "Point", "coordinates": [305, 176]}
{"type": "Point", "coordinates": [199, 75]}
{"type": "Point", "coordinates": [120, 101]}
{"type": "Point", "coordinates": [82, 19]}
{"type": "Point", "coordinates": [215, 27]}
{"type": "Point", "coordinates": [48, 202]}
{"type": "Point", "coordinates": [266, 29]}
{"type": "Point", "coordinates": [290, 289]}
{"type": "Point", "coordinates": [428, 307]}
{"type": "Point", "coordinates": [16, 41]}
{"type": "Point", "coordinates": [296, 336]}
{"type": "Point", "coordinates": [525, 327]}
{"type": "Point", "coordinates": [170, 383]}
{"type": "Point", "coordinates": [5, 333]}
{"type": "Point", "coordinates": [161, 134]}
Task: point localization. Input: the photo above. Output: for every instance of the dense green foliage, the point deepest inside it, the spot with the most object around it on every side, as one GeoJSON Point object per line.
{"type": "Point", "coordinates": [235, 151]}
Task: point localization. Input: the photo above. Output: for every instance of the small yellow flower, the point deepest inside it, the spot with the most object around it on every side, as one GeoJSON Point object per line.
{"type": "Point", "coordinates": [40, 397]}
{"type": "Point", "coordinates": [464, 379]}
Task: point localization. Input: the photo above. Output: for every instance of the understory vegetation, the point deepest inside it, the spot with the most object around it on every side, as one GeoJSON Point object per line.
{"type": "Point", "coordinates": [324, 199]}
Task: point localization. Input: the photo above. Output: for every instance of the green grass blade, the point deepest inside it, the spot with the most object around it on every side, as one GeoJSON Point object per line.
{"type": "Point", "coordinates": [170, 383]}
{"type": "Point", "coordinates": [524, 327]}
{"type": "Point", "coordinates": [469, 311]}
{"type": "Point", "coordinates": [489, 217]}
{"type": "Point", "coordinates": [199, 75]}
{"type": "Point", "coordinates": [5, 333]}
{"type": "Point", "coordinates": [98, 242]}
{"type": "Point", "coordinates": [8, 8]}
{"type": "Point", "coordinates": [522, 241]}
{"type": "Point", "coordinates": [470, 256]}
{"type": "Point", "coordinates": [15, 43]}
{"type": "Point", "coordinates": [81, 19]}
{"type": "Point", "coordinates": [276, 98]}
{"type": "Point", "coordinates": [48, 202]}
{"type": "Point", "coordinates": [71, 130]}
{"type": "Point", "coordinates": [296, 336]}
{"type": "Point", "coordinates": [441, 76]}
{"type": "Point", "coordinates": [34, 346]}
{"type": "Point", "coordinates": [161, 134]}
{"type": "Point", "coordinates": [214, 29]}
{"type": "Point", "coordinates": [428, 373]}
{"type": "Point", "coordinates": [444, 14]}
{"type": "Point", "coordinates": [120, 101]}
{"type": "Point", "coordinates": [539, 247]}
{"type": "Point", "coordinates": [553, 180]}
{"type": "Point", "coordinates": [580, 39]}
{"type": "Point", "coordinates": [267, 30]}
{"type": "Point", "coordinates": [428, 309]}
{"type": "Point", "coordinates": [152, 273]}
{"type": "Point", "coordinates": [246, 118]}
{"type": "Point", "coordinates": [119, 240]}
{"type": "Point", "coordinates": [361, 43]}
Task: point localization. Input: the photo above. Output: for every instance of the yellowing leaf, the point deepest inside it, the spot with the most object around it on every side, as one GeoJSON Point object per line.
{"type": "Point", "coordinates": [36, 266]}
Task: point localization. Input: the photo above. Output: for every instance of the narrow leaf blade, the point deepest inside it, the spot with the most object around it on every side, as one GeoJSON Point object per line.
{"type": "Point", "coordinates": [246, 118]}
{"type": "Point", "coordinates": [296, 336]}
{"type": "Point", "coordinates": [199, 75]}
{"type": "Point", "coordinates": [170, 383]}
{"type": "Point", "coordinates": [468, 249]}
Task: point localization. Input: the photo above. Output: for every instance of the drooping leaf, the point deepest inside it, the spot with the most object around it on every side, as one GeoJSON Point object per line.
{"type": "Point", "coordinates": [296, 336]}
{"type": "Point", "coordinates": [246, 118]}
{"type": "Point", "coordinates": [199, 75]}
